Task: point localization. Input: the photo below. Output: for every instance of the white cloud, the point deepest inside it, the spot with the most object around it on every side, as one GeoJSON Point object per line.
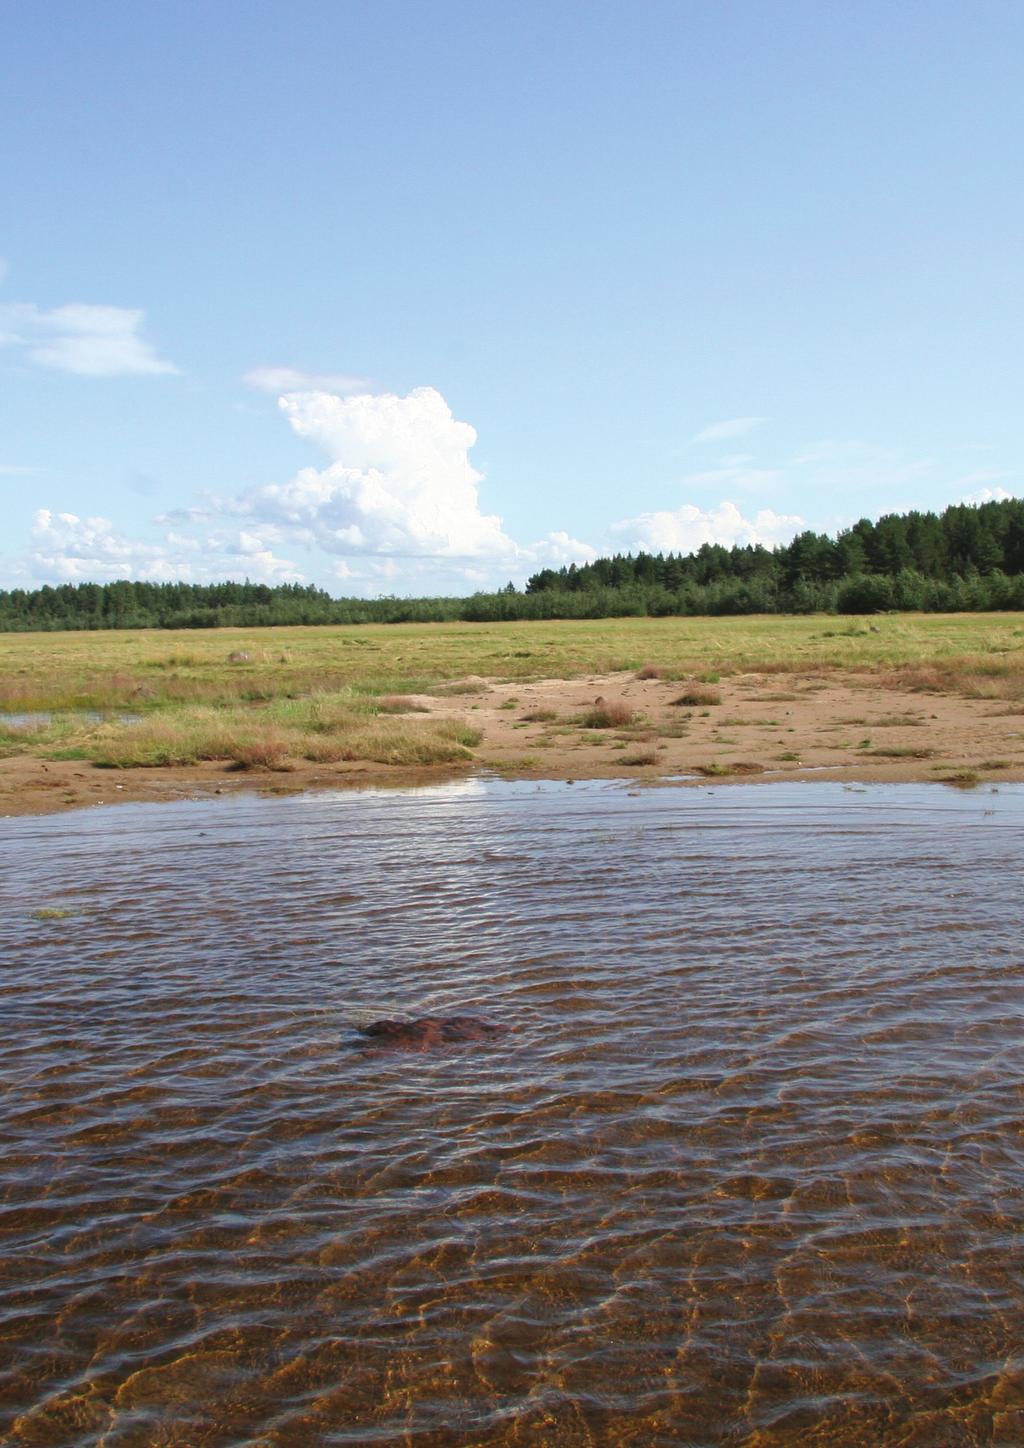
{"type": "Point", "coordinates": [731, 427]}
{"type": "Point", "coordinates": [399, 482]}
{"type": "Point", "coordinates": [988, 495]}
{"type": "Point", "coordinates": [289, 379]}
{"type": "Point", "coordinates": [70, 549]}
{"type": "Point", "coordinates": [92, 341]}
{"type": "Point", "coordinates": [558, 548]}
{"type": "Point", "coordinates": [684, 529]}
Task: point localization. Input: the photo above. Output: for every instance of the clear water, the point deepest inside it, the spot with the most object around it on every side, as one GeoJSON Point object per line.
{"type": "Point", "coordinates": [747, 1168]}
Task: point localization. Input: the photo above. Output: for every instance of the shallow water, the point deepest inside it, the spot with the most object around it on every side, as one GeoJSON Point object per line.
{"type": "Point", "coordinates": [748, 1167]}
{"type": "Point", "coordinates": [38, 719]}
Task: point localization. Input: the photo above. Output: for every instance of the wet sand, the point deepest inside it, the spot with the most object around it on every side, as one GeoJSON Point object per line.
{"type": "Point", "coordinates": [767, 726]}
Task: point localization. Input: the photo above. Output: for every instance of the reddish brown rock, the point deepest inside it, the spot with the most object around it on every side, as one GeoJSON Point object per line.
{"type": "Point", "coordinates": [428, 1032]}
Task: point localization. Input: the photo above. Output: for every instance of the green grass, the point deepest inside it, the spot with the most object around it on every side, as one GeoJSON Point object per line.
{"type": "Point", "coordinates": [151, 668]}
{"type": "Point", "coordinates": [329, 689]}
{"type": "Point", "coordinates": [322, 729]}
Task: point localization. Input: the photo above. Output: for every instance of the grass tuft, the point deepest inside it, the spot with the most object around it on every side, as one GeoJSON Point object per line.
{"type": "Point", "coordinates": [640, 757]}
{"type": "Point", "coordinates": [961, 778]}
{"type": "Point", "coordinates": [399, 704]}
{"type": "Point", "coordinates": [265, 753]}
{"type": "Point", "coordinates": [899, 751]}
{"type": "Point", "coordinates": [607, 714]}
{"type": "Point", "coordinates": [697, 696]}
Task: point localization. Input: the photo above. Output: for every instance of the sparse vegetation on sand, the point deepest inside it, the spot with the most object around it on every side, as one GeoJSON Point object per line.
{"type": "Point", "coordinates": [316, 702]}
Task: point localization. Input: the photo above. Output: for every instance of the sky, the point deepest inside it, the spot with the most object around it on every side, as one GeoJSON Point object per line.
{"type": "Point", "coordinates": [408, 298]}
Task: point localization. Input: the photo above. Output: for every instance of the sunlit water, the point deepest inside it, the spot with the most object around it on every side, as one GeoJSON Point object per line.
{"type": "Point", "coordinates": [747, 1168]}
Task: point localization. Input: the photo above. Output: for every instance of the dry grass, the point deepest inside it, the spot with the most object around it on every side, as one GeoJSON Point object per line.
{"type": "Point", "coordinates": [322, 729]}
{"type": "Point", "coordinates": [652, 671]}
{"type": "Point", "coordinates": [715, 769]}
{"type": "Point", "coordinates": [401, 704]}
{"type": "Point", "coordinates": [899, 751]}
{"type": "Point", "coordinates": [890, 721]}
{"type": "Point", "coordinates": [962, 778]}
{"type": "Point", "coordinates": [640, 757]}
{"type": "Point", "coordinates": [973, 676]}
{"type": "Point", "coordinates": [459, 687]}
{"type": "Point", "coordinates": [608, 714]}
{"type": "Point", "coordinates": [266, 753]}
{"type": "Point", "coordinates": [697, 696]}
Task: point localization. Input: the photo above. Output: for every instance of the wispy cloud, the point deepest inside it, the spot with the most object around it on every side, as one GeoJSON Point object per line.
{"type": "Point", "coordinates": [731, 427]}
{"type": "Point", "coordinates": [290, 379]}
{"type": "Point", "coordinates": [92, 341]}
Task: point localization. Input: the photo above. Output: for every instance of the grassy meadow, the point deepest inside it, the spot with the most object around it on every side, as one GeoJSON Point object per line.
{"type": "Point", "coordinates": [259, 698]}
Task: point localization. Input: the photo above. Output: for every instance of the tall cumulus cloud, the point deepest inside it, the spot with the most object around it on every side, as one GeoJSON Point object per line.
{"type": "Point", "coordinates": [399, 481]}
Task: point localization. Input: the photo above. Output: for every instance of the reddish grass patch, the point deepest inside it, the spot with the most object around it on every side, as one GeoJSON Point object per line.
{"type": "Point", "coordinates": [401, 704]}
{"type": "Point", "coordinates": [651, 671]}
{"type": "Point", "coordinates": [259, 754]}
{"type": "Point", "coordinates": [608, 715]}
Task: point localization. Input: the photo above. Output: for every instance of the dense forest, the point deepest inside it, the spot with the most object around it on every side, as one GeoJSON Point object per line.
{"type": "Point", "coordinates": [967, 558]}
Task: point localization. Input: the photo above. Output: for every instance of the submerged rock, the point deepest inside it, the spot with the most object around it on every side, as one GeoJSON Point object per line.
{"type": "Point", "coordinates": [428, 1032]}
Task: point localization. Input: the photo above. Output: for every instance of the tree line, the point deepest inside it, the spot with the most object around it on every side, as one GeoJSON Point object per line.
{"type": "Point", "coordinates": [968, 558]}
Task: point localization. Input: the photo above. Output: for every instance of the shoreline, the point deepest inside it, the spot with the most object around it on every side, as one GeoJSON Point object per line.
{"type": "Point", "coordinates": [746, 727]}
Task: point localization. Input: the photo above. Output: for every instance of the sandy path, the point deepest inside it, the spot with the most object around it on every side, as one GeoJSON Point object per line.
{"type": "Point", "coordinates": [766, 727]}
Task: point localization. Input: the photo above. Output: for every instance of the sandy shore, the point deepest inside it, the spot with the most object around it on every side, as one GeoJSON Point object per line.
{"type": "Point", "coordinates": [768, 727]}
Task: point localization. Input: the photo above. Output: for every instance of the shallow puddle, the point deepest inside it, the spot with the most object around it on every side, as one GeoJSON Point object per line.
{"type": "Point", "coordinates": [746, 1167]}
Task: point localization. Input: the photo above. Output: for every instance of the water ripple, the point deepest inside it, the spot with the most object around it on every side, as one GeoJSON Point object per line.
{"type": "Point", "coordinates": [748, 1167]}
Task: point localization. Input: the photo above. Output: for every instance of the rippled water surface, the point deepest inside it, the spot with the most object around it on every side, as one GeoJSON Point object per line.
{"type": "Point", "coordinates": [747, 1167]}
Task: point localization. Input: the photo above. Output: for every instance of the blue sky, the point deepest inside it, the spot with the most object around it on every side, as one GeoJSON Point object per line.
{"type": "Point", "coordinates": [416, 297]}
